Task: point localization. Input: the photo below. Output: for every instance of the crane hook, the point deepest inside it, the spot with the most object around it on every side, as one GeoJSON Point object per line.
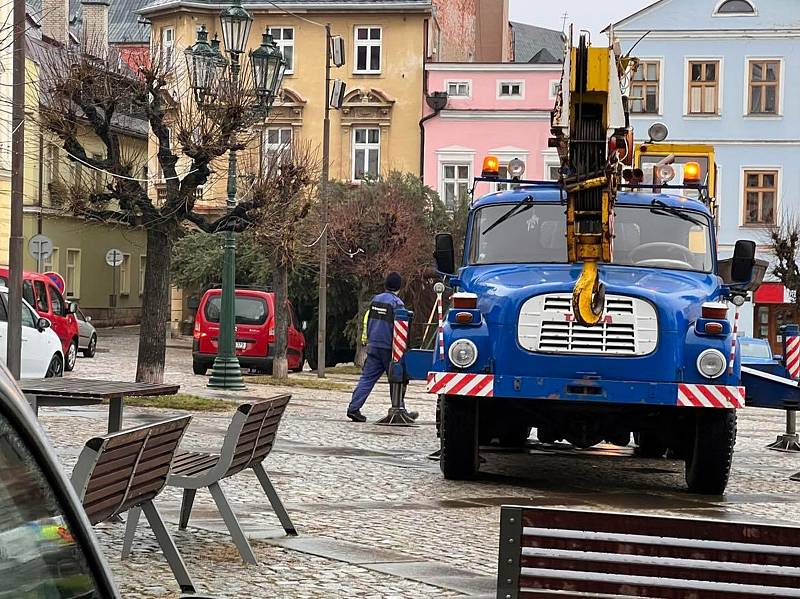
{"type": "Point", "coordinates": [588, 296]}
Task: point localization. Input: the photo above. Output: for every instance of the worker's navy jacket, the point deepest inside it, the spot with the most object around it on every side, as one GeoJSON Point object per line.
{"type": "Point", "coordinates": [380, 323]}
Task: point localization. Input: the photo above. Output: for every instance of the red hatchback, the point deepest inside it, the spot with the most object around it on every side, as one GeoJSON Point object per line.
{"type": "Point", "coordinates": [255, 331]}
{"type": "Point", "coordinates": [41, 293]}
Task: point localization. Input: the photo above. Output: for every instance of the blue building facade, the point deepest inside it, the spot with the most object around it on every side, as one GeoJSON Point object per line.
{"type": "Point", "coordinates": [727, 72]}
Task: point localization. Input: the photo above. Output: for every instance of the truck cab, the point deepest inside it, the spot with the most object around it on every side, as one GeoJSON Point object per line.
{"type": "Point", "coordinates": [662, 364]}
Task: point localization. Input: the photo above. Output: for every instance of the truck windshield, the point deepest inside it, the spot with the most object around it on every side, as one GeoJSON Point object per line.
{"type": "Point", "coordinates": [644, 236]}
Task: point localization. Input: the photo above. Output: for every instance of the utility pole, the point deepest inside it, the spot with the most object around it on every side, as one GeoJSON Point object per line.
{"type": "Point", "coordinates": [323, 242]}
{"type": "Point", "coordinates": [17, 181]}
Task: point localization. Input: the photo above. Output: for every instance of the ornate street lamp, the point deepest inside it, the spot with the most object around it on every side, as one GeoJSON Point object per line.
{"type": "Point", "coordinates": [209, 70]}
{"type": "Point", "coordinates": [268, 68]}
{"type": "Point", "coordinates": [236, 23]}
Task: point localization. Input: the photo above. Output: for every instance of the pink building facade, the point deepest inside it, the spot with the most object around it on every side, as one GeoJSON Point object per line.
{"type": "Point", "coordinates": [492, 109]}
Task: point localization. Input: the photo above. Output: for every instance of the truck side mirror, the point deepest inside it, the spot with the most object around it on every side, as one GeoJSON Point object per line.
{"type": "Point", "coordinates": [744, 259]}
{"type": "Point", "coordinates": [445, 254]}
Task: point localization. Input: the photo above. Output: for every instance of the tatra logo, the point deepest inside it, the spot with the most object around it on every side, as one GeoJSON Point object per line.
{"type": "Point", "coordinates": [607, 319]}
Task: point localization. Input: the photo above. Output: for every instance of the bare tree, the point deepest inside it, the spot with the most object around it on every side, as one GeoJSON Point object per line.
{"type": "Point", "coordinates": [285, 190]}
{"type": "Point", "coordinates": [93, 95]}
{"type": "Point", "coordinates": [784, 242]}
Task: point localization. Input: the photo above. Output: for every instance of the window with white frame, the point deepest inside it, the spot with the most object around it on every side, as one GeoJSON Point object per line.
{"type": "Point", "coordinates": [704, 80]}
{"type": "Point", "coordinates": [72, 273]}
{"type": "Point", "coordinates": [644, 94]}
{"type": "Point", "coordinates": [552, 168]}
{"type": "Point", "coordinates": [555, 87]}
{"type": "Point", "coordinates": [368, 49]}
{"type": "Point", "coordinates": [284, 38]}
{"type": "Point", "coordinates": [459, 89]}
{"type": "Point", "coordinates": [366, 153]}
{"type": "Point", "coordinates": [142, 269]}
{"type": "Point", "coordinates": [764, 86]}
{"type": "Point", "coordinates": [277, 145]}
{"type": "Point", "coordinates": [455, 183]}
{"type": "Point", "coordinates": [735, 7]}
{"type": "Point", "coordinates": [168, 46]}
{"type": "Point", "coordinates": [50, 264]}
{"type": "Point", "coordinates": [510, 89]}
{"type": "Point", "coordinates": [760, 197]}
{"type": "Point", "coordinates": [125, 275]}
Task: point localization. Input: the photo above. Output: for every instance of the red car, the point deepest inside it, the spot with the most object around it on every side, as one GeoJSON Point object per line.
{"type": "Point", "coordinates": [255, 331]}
{"type": "Point", "coordinates": [41, 293]}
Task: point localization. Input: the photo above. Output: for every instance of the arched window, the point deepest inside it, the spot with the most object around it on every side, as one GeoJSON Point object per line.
{"type": "Point", "coordinates": [736, 7]}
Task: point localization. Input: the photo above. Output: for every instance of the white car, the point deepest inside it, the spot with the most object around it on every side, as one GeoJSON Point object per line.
{"type": "Point", "coordinates": [42, 355]}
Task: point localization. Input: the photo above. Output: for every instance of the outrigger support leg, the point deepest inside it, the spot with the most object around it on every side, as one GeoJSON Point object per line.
{"type": "Point", "coordinates": [397, 416]}
{"type": "Point", "coordinates": [788, 441]}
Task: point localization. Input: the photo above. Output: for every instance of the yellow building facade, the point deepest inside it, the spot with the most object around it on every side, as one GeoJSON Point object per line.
{"type": "Point", "coordinates": [377, 128]}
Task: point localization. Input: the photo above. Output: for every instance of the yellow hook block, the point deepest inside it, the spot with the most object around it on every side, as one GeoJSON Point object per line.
{"type": "Point", "coordinates": [588, 296]}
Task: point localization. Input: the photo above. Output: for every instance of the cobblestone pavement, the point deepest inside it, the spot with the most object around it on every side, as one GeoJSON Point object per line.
{"type": "Point", "coordinates": [374, 515]}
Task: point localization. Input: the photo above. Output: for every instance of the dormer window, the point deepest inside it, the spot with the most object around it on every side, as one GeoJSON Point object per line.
{"type": "Point", "coordinates": [736, 7]}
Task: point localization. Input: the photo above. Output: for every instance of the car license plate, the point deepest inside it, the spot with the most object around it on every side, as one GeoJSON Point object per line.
{"type": "Point", "coordinates": [241, 345]}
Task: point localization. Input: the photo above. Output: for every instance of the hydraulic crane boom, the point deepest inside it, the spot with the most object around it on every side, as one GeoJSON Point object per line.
{"type": "Point", "coordinates": [592, 133]}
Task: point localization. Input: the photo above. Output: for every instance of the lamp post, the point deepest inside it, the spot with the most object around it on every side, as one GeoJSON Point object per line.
{"type": "Point", "coordinates": [209, 70]}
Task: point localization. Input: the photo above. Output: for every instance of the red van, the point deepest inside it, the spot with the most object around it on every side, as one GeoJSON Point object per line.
{"type": "Point", "coordinates": [41, 293]}
{"type": "Point", "coordinates": [255, 331]}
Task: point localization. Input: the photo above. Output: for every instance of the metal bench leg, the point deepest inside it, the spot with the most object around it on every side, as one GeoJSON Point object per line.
{"type": "Point", "coordinates": [186, 507]}
{"type": "Point", "coordinates": [168, 547]}
{"type": "Point", "coordinates": [237, 534]}
{"type": "Point", "coordinates": [130, 530]}
{"type": "Point", "coordinates": [274, 500]}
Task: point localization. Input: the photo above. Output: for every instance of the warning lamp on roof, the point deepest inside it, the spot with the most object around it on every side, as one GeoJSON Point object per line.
{"type": "Point", "coordinates": [491, 167]}
{"type": "Point", "coordinates": [691, 173]}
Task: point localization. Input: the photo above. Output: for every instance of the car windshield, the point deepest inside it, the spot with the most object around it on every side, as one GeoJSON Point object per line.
{"type": "Point", "coordinates": [648, 236]}
{"type": "Point", "coordinates": [249, 310]}
{"type": "Point", "coordinates": [756, 349]}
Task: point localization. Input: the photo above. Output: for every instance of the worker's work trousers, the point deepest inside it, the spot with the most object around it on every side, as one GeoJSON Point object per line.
{"type": "Point", "coordinates": [376, 364]}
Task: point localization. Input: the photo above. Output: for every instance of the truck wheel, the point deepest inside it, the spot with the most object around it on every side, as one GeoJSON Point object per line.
{"type": "Point", "coordinates": [649, 445]}
{"type": "Point", "coordinates": [709, 465]}
{"type": "Point", "coordinates": [459, 438]}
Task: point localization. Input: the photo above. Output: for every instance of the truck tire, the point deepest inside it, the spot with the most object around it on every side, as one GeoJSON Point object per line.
{"type": "Point", "coordinates": [709, 465]}
{"type": "Point", "coordinates": [514, 435]}
{"type": "Point", "coordinates": [459, 438]}
{"type": "Point", "coordinates": [650, 445]}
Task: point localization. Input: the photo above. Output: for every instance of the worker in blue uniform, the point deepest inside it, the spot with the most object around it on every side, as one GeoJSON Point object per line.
{"type": "Point", "coordinates": [377, 335]}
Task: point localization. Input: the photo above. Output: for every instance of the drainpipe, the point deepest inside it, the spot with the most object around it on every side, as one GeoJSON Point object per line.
{"type": "Point", "coordinates": [436, 102]}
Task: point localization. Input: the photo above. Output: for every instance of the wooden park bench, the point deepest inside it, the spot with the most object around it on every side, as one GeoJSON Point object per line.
{"type": "Point", "coordinates": [250, 438]}
{"type": "Point", "coordinates": [125, 471]}
{"type": "Point", "coordinates": [568, 553]}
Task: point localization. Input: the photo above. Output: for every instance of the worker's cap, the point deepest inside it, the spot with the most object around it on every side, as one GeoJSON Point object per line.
{"type": "Point", "coordinates": [393, 281]}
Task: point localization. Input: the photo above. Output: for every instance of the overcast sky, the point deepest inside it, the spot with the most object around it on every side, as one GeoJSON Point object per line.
{"type": "Point", "coordinates": [593, 15]}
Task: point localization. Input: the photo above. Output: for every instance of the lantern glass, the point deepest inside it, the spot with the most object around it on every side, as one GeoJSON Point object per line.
{"type": "Point", "coordinates": [236, 23]}
{"type": "Point", "coordinates": [268, 66]}
{"type": "Point", "coordinates": [202, 63]}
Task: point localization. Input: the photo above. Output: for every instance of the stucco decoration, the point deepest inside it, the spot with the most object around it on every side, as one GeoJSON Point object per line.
{"type": "Point", "coordinates": [288, 108]}
{"type": "Point", "coordinates": [366, 106]}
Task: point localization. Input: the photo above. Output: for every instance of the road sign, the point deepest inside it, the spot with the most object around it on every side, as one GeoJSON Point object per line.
{"type": "Point", "coordinates": [58, 281]}
{"type": "Point", "coordinates": [40, 247]}
{"type": "Point", "coordinates": [114, 257]}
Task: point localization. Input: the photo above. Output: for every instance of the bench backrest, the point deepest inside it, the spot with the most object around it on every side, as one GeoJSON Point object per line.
{"type": "Point", "coordinates": [252, 433]}
{"type": "Point", "coordinates": [119, 471]}
{"type": "Point", "coordinates": [563, 553]}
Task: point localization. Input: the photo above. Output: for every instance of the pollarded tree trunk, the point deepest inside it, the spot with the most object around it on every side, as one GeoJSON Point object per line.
{"type": "Point", "coordinates": [280, 279]}
{"type": "Point", "coordinates": [157, 300]}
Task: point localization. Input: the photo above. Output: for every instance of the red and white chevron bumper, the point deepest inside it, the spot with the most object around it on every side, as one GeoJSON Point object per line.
{"type": "Point", "coordinates": [710, 396]}
{"type": "Point", "coordinates": [461, 383]}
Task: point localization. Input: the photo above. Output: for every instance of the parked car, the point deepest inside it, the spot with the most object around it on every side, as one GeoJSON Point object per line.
{"type": "Point", "coordinates": [41, 293]}
{"type": "Point", "coordinates": [756, 351]}
{"type": "Point", "coordinates": [255, 331]}
{"type": "Point", "coordinates": [41, 354]}
{"type": "Point", "coordinates": [87, 341]}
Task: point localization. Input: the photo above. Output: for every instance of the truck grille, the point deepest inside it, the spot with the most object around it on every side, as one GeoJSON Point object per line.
{"type": "Point", "coordinates": [547, 324]}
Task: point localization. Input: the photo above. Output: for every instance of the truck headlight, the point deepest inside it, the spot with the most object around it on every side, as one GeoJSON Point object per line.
{"type": "Point", "coordinates": [711, 363]}
{"type": "Point", "coordinates": [463, 353]}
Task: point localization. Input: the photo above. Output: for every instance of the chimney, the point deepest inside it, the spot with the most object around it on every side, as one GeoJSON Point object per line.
{"type": "Point", "coordinates": [55, 20]}
{"type": "Point", "coordinates": [95, 26]}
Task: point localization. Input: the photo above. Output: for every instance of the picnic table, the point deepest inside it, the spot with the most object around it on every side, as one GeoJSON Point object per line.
{"type": "Point", "coordinates": [56, 391]}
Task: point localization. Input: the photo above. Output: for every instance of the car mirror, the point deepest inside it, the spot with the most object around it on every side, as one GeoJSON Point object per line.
{"type": "Point", "coordinates": [304, 325]}
{"type": "Point", "coordinates": [744, 258]}
{"type": "Point", "coordinates": [445, 254]}
{"type": "Point", "coordinates": [88, 319]}
{"type": "Point", "coordinates": [72, 307]}
{"type": "Point", "coordinates": [42, 324]}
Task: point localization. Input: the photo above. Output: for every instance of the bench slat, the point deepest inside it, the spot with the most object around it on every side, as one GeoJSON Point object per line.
{"type": "Point", "coordinates": [644, 586]}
